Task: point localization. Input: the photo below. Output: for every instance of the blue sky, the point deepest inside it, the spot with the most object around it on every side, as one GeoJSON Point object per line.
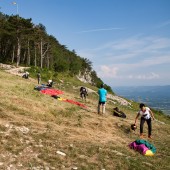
{"type": "Point", "coordinates": [128, 41]}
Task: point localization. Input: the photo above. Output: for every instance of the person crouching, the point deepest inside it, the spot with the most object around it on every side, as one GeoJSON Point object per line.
{"type": "Point", "coordinates": [50, 83]}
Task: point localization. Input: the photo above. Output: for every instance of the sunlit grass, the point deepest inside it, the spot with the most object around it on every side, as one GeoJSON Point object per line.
{"type": "Point", "coordinates": [90, 141]}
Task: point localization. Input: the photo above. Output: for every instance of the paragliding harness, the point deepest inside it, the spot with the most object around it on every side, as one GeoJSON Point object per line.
{"type": "Point", "coordinates": [118, 113]}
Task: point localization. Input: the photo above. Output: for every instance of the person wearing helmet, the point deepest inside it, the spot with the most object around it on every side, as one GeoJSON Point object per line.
{"type": "Point", "coordinates": [50, 83]}
{"type": "Point", "coordinates": [146, 114]}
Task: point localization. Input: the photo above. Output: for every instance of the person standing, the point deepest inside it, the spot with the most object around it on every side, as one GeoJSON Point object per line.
{"type": "Point", "coordinates": [146, 115]}
{"type": "Point", "coordinates": [39, 77]}
{"type": "Point", "coordinates": [102, 99]}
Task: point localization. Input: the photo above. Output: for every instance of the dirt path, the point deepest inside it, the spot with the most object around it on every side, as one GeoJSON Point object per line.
{"type": "Point", "coordinates": [12, 69]}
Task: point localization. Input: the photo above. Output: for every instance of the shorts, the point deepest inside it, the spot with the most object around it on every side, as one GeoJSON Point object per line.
{"type": "Point", "coordinates": [101, 103]}
{"type": "Point", "coordinates": [83, 94]}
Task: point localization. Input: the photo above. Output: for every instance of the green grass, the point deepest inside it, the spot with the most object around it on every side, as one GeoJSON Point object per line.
{"type": "Point", "coordinates": [89, 140]}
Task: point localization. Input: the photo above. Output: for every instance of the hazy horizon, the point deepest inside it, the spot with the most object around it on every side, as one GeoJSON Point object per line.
{"type": "Point", "coordinates": [157, 97]}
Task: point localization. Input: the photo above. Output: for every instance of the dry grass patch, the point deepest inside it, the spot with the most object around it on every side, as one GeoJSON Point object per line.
{"type": "Point", "coordinates": [34, 126]}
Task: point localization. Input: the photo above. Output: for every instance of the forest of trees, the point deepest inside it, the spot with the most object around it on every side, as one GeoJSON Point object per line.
{"type": "Point", "coordinates": [24, 43]}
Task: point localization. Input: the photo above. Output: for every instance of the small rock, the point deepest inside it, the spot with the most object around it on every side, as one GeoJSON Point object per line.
{"type": "Point", "coordinates": [83, 157]}
{"type": "Point", "coordinates": [61, 153]}
{"type": "Point", "coordinates": [47, 168]}
{"type": "Point", "coordinates": [23, 129]}
{"type": "Point", "coordinates": [71, 145]}
{"type": "Point", "coordinates": [19, 164]}
{"type": "Point", "coordinates": [7, 125]}
{"type": "Point", "coordinates": [149, 164]}
{"type": "Point", "coordinates": [63, 166]}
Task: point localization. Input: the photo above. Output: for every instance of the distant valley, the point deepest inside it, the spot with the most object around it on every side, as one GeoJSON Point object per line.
{"type": "Point", "coordinates": [157, 97]}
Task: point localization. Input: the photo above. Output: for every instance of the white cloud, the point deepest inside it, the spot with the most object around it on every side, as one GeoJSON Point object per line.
{"type": "Point", "coordinates": [99, 29]}
{"type": "Point", "coordinates": [149, 76]}
{"type": "Point", "coordinates": [144, 63]}
{"type": "Point", "coordinates": [138, 59]}
{"type": "Point", "coordinates": [155, 61]}
{"type": "Point", "coordinates": [164, 24]}
{"type": "Point", "coordinates": [136, 49]}
{"type": "Point", "coordinates": [107, 72]}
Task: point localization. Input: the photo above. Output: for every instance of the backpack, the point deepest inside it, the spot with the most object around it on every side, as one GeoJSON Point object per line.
{"type": "Point", "coordinates": [83, 90]}
{"type": "Point", "coordinates": [118, 113]}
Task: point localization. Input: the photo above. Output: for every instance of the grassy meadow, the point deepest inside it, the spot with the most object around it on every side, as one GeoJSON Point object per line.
{"type": "Point", "coordinates": [34, 127]}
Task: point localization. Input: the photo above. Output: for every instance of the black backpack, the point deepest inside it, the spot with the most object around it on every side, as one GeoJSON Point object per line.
{"type": "Point", "coordinates": [118, 113]}
{"type": "Point", "coordinates": [83, 90]}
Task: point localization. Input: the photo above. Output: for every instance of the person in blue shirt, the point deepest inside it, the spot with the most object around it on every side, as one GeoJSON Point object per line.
{"type": "Point", "coordinates": [102, 99]}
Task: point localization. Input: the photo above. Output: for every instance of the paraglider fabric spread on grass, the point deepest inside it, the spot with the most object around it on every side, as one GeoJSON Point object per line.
{"type": "Point", "coordinates": [54, 93]}
{"type": "Point", "coordinates": [143, 147]}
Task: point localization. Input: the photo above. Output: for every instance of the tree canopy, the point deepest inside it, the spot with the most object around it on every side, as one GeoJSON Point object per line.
{"type": "Point", "coordinates": [24, 43]}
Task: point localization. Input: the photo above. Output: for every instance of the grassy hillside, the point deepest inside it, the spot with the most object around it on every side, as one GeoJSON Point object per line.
{"type": "Point", "coordinates": [34, 126]}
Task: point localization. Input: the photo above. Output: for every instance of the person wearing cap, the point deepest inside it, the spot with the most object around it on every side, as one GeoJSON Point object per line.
{"type": "Point", "coordinates": [146, 114]}
{"type": "Point", "coordinates": [102, 99]}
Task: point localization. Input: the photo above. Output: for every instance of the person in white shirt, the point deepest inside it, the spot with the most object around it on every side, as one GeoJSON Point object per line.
{"type": "Point", "coordinates": [146, 114]}
{"type": "Point", "coordinates": [25, 75]}
{"type": "Point", "coordinates": [50, 83]}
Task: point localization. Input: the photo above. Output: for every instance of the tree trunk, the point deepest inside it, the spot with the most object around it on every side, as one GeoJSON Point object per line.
{"type": "Point", "coordinates": [13, 54]}
{"type": "Point", "coordinates": [28, 59]}
{"type": "Point", "coordinates": [41, 53]}
{"type": "Point", "coordinates": [24, 56]}
{"type": "Point", "coordinates": [18, 51]}
{"type": "Point", "coordinates": [45, 51]}
{"type": "Point", "coordinates": [48, 60]}
{"type": "Point", "coordinates": [35, 55]}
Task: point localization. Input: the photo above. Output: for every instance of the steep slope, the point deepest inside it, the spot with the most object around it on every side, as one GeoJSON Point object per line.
{"type": "Point", "coordinates": [34, 127]}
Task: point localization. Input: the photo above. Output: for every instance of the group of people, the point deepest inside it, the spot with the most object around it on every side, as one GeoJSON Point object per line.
{"type": "Point", "coordinates": [26, 76]}
{"type": "Point", "coordinates": [102, 97]}
{"type": "Point", "coordinates": [145, 112]}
